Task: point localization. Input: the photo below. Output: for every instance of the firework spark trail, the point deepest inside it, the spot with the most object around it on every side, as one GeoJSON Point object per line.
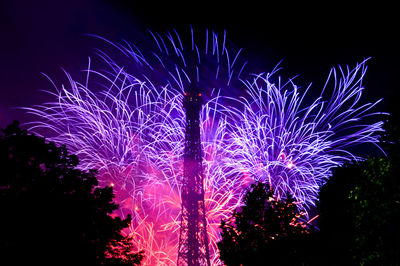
{"type": "Point", "coordinates": [293, 147]}
{"type": "Point", "coordinates": [130, 124]}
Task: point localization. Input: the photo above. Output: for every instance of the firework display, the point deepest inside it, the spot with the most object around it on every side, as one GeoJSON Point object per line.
{"type": "Point", "coordinates": [127, 121]}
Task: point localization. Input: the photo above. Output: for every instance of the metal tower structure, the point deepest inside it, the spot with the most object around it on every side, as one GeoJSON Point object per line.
{"type": "Point", "coordinates": [193, 239]}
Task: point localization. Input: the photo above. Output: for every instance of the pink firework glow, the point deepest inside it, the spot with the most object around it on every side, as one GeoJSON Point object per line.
{"type": "Point", "coordinates": [127, 121]}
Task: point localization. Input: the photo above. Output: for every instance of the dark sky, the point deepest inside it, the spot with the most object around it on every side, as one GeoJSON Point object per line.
{"type": "Point", "coordinates": [42, 36]}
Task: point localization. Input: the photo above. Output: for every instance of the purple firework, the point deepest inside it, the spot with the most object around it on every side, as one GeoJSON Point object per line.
{"type": "Point", "coordinates": [129, 124]}
{"type": "Point", "coordinates": [274, 137]}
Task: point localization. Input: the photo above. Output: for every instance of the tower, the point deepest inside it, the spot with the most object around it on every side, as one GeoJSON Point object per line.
{"type": "Point", "coordinates": [193, 239]}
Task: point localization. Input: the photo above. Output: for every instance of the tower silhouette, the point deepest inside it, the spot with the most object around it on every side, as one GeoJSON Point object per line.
{"type": "Point", "coordinates": [193, 239]}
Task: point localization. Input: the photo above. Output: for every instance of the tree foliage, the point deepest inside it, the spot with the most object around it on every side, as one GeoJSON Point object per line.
{"type": "Point", "coordinates": [264, 231]}
{"type": "Point", "coordinates": [358, 210]}
{"type": "Point", "coordinates": [52, 212]}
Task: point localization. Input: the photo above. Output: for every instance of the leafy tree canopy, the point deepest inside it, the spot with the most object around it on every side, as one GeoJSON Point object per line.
{"type": "Point", "coordinates": [264, 231]}
{"type": "Point", "coordinates": [359, 209]}
{"type": "Point", "coordinates": [54, 213]}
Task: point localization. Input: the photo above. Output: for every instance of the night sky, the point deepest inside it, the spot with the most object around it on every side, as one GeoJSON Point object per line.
{"type": "Point", "coordinates": [43, 36]}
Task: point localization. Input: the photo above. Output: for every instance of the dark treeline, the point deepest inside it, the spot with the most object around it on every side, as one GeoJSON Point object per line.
{"type": "Point", "coordinates": [53, 213]}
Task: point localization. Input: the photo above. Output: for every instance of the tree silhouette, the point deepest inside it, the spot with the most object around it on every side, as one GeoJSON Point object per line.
{"type": "Point", "coordinates": [358, 214]}
{"type": "Point", "coordinates": [264, 231]}
{"type": "Point", "coordinates": [53, 213]}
